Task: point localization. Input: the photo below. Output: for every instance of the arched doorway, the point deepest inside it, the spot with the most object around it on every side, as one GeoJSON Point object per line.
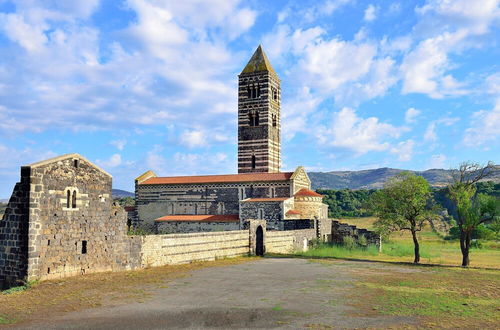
{"type": "Point", "coordinates": [259, 241]}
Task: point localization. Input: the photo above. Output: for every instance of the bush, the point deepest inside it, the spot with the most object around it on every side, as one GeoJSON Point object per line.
{"type": "Point", "coordinates": [349, 242]}
{"type": "Point", "coordinates": [138, 231]}
{"type": "Point", "coordinates": [362, 240]}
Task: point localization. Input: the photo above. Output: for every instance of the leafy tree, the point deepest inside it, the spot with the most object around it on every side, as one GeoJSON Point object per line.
{"type": "Point", "coordinates": [472, 209]}
{"type": "Point", "coordinates": [405, 203]}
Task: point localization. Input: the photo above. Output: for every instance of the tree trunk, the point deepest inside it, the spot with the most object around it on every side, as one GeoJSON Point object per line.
{"type": "Point", "coordinates": [417, 247]}
{"type": "Point", "coordinates": [465, 239]}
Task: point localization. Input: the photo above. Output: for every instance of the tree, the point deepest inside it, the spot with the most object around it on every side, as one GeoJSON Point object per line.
{"type": "Point", "coordinates": [405, 203]}
{"type": "Point", "coordinates": [472, 209]}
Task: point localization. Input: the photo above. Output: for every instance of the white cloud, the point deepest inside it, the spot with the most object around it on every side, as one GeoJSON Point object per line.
{"type": "Point", "coordinates": [370, 13]}
{"type": "Point", "coordinates": [113, 161]}
{"type": "Point", "coordinates": [193, 138]}
{"type": "Point", "coordinates": [30, 37]}
{"type": "Point", "coordinates": [119, 144]}
{"type": "Point", "coordinates": [430, 133]}
{"type": "Point", "coordinates": [411, 115]}
{"type": "Point", "coordinates": [404, 150]}
{"type": "Point", "coordinates": [176, 58]}
{"type": "Point", "coordinates": [437, 161]}
{"type": "Point", "coordinates": [329, 64]}
{"type": "Point", "coordinates": [446, 27]}
{"type": "Point", "coordinates": [358, 134]}
{"type": "Point", "coordinates": [484, 129]}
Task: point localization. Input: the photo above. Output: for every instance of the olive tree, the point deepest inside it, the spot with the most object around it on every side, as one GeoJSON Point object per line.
{"type": "Point", "coordinates": [472, 209]}
{"type": "Point", "coordinates": [405, 203]}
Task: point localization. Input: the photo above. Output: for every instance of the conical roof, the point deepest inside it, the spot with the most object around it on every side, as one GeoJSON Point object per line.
{"type": "Point", "coordinates": [258, 62]}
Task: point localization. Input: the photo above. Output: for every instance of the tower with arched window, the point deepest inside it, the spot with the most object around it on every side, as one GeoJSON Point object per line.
{"type": "Point", "coordinates": [259, 97]}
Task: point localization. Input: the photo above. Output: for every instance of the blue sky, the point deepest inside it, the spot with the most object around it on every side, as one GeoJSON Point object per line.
{"type": "Point", "coordinates": [150, 84]}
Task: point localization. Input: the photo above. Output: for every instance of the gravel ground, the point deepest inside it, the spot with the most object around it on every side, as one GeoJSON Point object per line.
{"type": "Point", "coordinates": [266, 293]}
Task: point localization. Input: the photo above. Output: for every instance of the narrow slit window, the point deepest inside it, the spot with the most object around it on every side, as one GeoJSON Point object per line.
{"type": "Point", "coordinates": [84, 247]}
{"type": "Point", "coordinates": [68, 199]}
{"type": "Point", "coordinates": [73, 200]}
{"type": "Point", "coordinates": [75, 163]}
{"type": "Point", "coordinates": [253, 162]}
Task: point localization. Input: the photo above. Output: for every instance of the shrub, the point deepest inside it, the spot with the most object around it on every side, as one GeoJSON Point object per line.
{"type": "Point", "coordinates": [362, 240]}
{"type": "Point", "coordinates": [349, 242]}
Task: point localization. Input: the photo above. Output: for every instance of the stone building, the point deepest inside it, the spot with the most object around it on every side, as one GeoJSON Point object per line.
{"type": "Point", "coordinates": [258, 191]}
{"type": "Point", "coordinates": [61, 220]}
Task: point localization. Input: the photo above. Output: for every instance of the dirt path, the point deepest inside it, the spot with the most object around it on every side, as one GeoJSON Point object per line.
{"type": "Point", "coordinates": [265, 293]}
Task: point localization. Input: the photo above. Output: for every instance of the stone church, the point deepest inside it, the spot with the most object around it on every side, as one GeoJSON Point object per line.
{"type": "Point", "coordinates": [259, 190]}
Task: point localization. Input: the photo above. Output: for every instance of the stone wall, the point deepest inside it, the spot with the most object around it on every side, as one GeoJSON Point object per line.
{"type": "Point", "coordinates": [169, 227]}
{"type": "Point", "coordinates": [67, 239]}
{"type": "Point", "coordinates": [14, 236]}
{"type": "Point", "coordinates": [341, 230]}
{"type": "Point", "coordinates": [271, 211]}
{"type": "Point", "coordinates": [61, 221]}
{"type": "Point", "coordinates": [159, 250]}
{"type": "Point", "coordinates": [289, 241]}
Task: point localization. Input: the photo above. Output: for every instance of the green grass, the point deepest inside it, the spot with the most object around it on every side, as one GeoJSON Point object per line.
{"type": "Point", "coordinates": [338, 251]}
{"type": "Point", "coordinates": [404, 249]}
{"type": "Point", "coordinates": [456, 295]}
{"type": "Point", "coordinates": [4, 320]}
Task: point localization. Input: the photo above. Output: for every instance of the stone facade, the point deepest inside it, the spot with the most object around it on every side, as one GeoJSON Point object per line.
{"type": "Point", "coordinates": [259, 122]}
{"type": "Point", "coordinates": [155, 200]}
{"type": "Point", "coordinates": [167, 227]}
{"type": "Point", "coordinates": [70, 225]}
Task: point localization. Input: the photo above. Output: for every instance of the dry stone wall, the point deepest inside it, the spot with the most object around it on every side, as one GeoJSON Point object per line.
{"type": "Point", "coordinates": [289, 241]}
{"type": "Point", "coordinates": [14, 236]}
{"type": "Point", "coordinates": [159, 250]}
{"type": "Point", "coordinates": [341, 230]}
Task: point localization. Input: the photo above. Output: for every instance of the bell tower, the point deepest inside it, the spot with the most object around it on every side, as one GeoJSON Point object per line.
{"type": "Point", "coordinates": [259, 117]}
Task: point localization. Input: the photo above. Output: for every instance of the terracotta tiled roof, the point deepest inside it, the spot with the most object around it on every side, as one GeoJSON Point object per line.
{"type": "Point", "coordinates": [276, 199]}
{"type": "Point", "coordinates": [201, 218]}
{"type": "Point", "coordinates": [307, 192]}
{"type": "Point", "coordinates": [290, 212]}
{"type": "Point", "coordinates": [247, 177]}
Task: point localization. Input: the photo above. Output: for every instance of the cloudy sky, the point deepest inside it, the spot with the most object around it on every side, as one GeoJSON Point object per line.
{"type": "Point", "coordinates": [151, 84]}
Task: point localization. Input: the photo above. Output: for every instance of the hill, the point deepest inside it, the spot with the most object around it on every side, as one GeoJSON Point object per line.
{"type": "Point", "coordinates": [375, 178]}
{"type": "Point", "coordinates": [118, 193]}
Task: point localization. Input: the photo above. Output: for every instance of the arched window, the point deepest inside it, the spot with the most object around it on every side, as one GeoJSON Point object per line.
{"type": "Point", "coordinates": [253, 162]}
{"type": "Point", "coordinates": [256, 119]}
{"type": "Point", "coordinates": [258, 90]}
{"type": "Point", "coordinates": [68, 199]}
{"type": "Point", "coordinates": [249, 93]}
{"type": "Point", "coordinates": [251, 119]}
{"type": "Point", "coordinates": [275, 121]}
{"type": "Point", "coordinates": [73, 200]}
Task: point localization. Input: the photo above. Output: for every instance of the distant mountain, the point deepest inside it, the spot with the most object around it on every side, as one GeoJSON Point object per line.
{"type": "Point", "coordinates": [375, 179]}
{"type": "Point", "coordinates": [118, 193]}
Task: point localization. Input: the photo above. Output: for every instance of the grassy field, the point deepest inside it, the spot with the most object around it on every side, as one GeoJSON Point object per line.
{"type": "Point", "coordinates": [434, 249]}
{"type": "Point", "coordinates": [443, 297]}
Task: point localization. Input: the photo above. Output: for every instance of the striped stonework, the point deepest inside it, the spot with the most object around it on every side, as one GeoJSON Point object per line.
{"type": "Point", "coordinates": [259, 97]}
